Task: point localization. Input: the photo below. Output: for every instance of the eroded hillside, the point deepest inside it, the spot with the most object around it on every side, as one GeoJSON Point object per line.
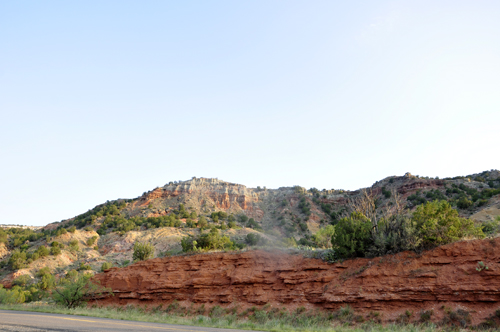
{"type": "Point", "coordinates": [165, 215]}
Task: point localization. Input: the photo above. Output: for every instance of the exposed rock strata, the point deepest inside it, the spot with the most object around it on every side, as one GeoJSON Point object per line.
{"type": "Point", "coordinates": [391, 284]}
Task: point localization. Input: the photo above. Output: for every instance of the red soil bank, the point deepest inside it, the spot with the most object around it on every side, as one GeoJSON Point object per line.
{"type": "Point", "coordinates": [446, 276]}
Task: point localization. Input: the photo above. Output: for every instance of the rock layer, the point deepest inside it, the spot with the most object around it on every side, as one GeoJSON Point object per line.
{"type": "Point", "coordinates": [450, 276]}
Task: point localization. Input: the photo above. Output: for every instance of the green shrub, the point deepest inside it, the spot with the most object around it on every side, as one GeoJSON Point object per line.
{"type": "Point", "coordinates": [72, 229]}
{"type": "Point", "coordinates": [323, 237]}
{"type": "Point", "coordinates": [73, 244]}
{"type": "Point", "coordinates": [464, 203]}
{"type": "Point", "coordinates": [4, 237]}
{"type": "Point", "coordinates": [106, 266]}
{"type": "Point", "coordinates": [253, 224]}
{"type": "Point", "coordinates": [18, 260]}
{"type": "Point", "coordinates": [386, 193]}
{"type": "Point", "coordinates": [143, 251]}
{"type": "Point", "coordinates": [395, 234]}
{"type": "Point", "coordinates": [438, 223]}
{"type": "Point", "coordinates": [42, 251]}
{"type": "Point", "coordinates": [91, 240]}
{"type": "Point", "coordinates": [47, 280]}
{"type": "Point", "coordinates": [14, 295]}
{"type": "Point", "coordinates": [84, 267]}
{"type": "Point", "coordinates": [22, 280]}
{"type": "Point", "coordinates": [210, 241]}
{"type": "Point", "coordinates": [252, 239]}
{"type": "Point", "coordinates": [491, 227]}
{"type": "Point", "coordinates": [353, 236]}
{"type": "Point", "coordinates": [76, 289]}
{"type": "Point", "coordinates": [55, 251]}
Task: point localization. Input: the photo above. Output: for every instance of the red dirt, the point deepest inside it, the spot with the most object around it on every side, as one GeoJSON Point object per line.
{"type": "Point", "coordinates": [444, 276]}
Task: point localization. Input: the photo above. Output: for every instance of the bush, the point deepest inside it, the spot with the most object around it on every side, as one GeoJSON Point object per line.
{"type": "Point", "coordinates": [75, 289]}
{"type": "Point", "coordinates": [47, 280]}
{"type": "Point", "coordinates": [15, 295]}
{"type": "Point", "coordinates": [323, 237]}
{"type": "Point", "coordinates": [490, 227]}
{"type": "Point", "coordinates": [143, 251]}
{"type": "Point", "coordinates": [42, 251]}
{"type": "Point", "coordinates": [106, 266]}
{"type": "Point", "coordinates": [72, 229]}
{"type": "Point", "coordinates": [74, 245]}
{"type": "Point", "coordinates": [464, 203]}
{"type": "Point", "coordinates": [253, 224]}
{"type": "Point", "coordinates": [55, 251]}
{"type": "Point", "coordinates": [202, 222]}
{"type": "Point", "coordinates": [22, 280]}
{"type": "Point", "coordinates": [386, 193]}
{"type": "Point", "coordinates": [91, 240]}
{"type": "Point", "coordinates": [252, 239]}
{"type": "Point", "coordinates": [438, 223]}
{"type": "Point", "coordinates": [353, 236]}
{"type": "Point", "coordinates": [211, 241]}
{"type": "Point", "coordinates": [18, 260]}
{"type": "Point", "coordinates": [84, 267]}
{"type": "Point", "coordinates": [395, 234]}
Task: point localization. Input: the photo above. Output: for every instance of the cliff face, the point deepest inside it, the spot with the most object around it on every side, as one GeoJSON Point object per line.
{"type": "Point", "coordinates": [210, 193]}
{"type": "Point", "coordinates": [447, 276]}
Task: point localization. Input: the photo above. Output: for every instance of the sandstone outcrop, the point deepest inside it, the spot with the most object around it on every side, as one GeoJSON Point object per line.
{"type": "Point", "coordinates": [453, 276]}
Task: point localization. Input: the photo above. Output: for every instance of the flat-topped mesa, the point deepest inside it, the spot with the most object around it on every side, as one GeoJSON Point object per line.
{"type": "Point", "coordinates": [212, 192]}
{"type": "Point", "coordinates": [204, 184]}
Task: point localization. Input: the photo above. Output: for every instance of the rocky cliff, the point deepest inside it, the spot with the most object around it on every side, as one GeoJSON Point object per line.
{"type": "Point", "coordinates": [464, 275]}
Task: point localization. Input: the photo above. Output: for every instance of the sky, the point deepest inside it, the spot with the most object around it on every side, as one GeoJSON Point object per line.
{"type": "Point", "coordinates": [102, 100]}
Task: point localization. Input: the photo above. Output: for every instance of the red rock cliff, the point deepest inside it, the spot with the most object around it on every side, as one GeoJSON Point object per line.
{"type": "Point", "coordinates": [391, 284]}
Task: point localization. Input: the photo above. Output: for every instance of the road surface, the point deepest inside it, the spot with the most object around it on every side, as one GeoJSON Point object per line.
{"type": "Point", "coordinates": [26, 321]}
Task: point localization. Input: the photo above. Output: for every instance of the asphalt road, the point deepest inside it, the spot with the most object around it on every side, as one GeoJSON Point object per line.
{"type": "Point", "coordinates": [41, 322]}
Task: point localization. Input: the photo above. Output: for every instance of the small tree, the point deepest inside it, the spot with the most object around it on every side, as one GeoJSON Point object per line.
{"type": "Point", "coordinates": [47, 280]}
{"type": "Point", "coordinates": [323, 236]}
{"type": "Point", "coordinates": [18, 260]}
{"type": "Point", "coordinates": [353, 235]}
{"type": "Point", "coordinates": [143, 251]}
{"type": "Point", "coordinates": [252, 239]}
{"type": "Point", "coordinates": [76, 289]}
{"type": "Point", "coordinates": [202, 222]}
{"type": "Point", "coordinates": [438, 224]}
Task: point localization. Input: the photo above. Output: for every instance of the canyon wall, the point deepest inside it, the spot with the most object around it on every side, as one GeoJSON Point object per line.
{"type": "Point", "coordinates": [453, 276]}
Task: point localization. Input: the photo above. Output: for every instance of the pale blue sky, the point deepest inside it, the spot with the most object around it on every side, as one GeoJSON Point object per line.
{"type": "Point", "coordinates": [107, 99]}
